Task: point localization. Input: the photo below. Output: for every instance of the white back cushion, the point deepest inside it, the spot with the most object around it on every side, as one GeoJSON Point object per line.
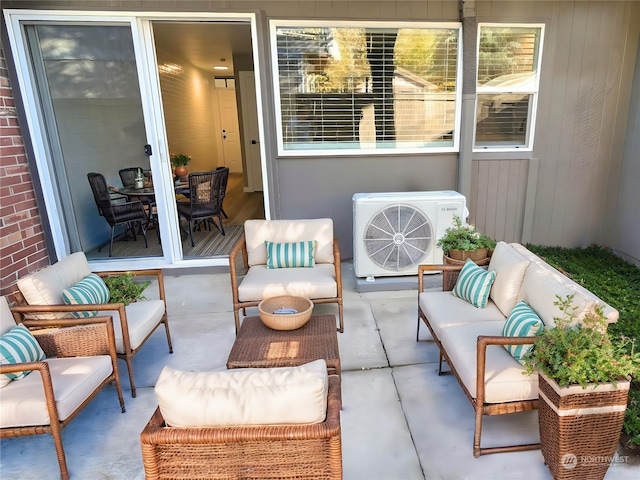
{"type": "Point", "coordinates": [539, 290]}
{"type": "Point", "coordinates": [510, 268]}
{"type": "Point", "coordinates": [244, 396]}
{"type": "Point", "coordinates": [7, 321]}
{"type": "Point", "coordinates": [45, 286]}
{"type": "Point", "coordinates": [285, 231]}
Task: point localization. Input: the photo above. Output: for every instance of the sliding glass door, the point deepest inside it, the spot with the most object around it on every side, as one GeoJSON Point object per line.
{"type": "Point", "coordinates": [89, 91]}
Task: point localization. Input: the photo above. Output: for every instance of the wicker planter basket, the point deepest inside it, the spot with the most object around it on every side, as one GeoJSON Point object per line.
{"type": "Point", "coordinates": [285, 321]}
{"type": "Point", "coordinates": [449, 278]}
{"type": "Point", "coordinates": [475, 255]}
{"type": "Point", "coordinates": [580, 428]}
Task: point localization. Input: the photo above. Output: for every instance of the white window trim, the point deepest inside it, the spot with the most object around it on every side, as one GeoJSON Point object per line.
{"type": "Point", "coordinates": [331, 152]}
{"type": "Point", "coordinates": [531, 125]}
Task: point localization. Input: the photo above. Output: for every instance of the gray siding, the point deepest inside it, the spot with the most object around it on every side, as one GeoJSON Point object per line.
{"type": "Point", "coordinates": [580, 164]}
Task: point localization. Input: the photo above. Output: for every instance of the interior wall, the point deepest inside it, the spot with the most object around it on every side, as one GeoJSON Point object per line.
{"type": "Point", "coordinates": [187, 99]}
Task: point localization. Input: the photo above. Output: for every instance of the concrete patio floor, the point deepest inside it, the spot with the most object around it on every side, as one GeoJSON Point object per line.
{"type": "Point", "coordinates": [400, 420]}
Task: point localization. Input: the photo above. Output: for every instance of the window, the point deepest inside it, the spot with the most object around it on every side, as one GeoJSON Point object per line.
{"type": "Point", "coordinates": [359, 88]}
{"type": "Point", "coordinates": [508, 76]}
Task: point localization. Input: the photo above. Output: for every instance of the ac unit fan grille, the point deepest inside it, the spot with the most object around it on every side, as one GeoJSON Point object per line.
{"type": "Point", "coordinates": [398, 237]}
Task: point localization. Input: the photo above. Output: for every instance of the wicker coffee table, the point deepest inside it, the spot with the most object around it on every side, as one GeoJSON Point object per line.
{"type": "Point", "coordinates": [258, 346]}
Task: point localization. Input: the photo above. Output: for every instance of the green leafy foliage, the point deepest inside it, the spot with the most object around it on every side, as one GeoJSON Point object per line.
{"type": "Point", "coordinates": [464, 237]}
{"type": "Point", "coordinates": [617, 282]}
{"type": "Point", "coordinates": [180, 159]}
{"type": "Point", "coordinates": [582, 353]}
{"type": "Point", "coordinates": [123, 288]}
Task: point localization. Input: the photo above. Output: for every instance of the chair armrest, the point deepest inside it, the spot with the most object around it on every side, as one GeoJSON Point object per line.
{"type": "Point", "coordinates": [47, 384]}
{"type": "Point", "coordinates": [239, 248]}
{"type": "Point", "coordinates": [21, 311]}
{"type": "Point", "coordinates": [74, 337]}
{"type": "Point", "coordinates": [337, 263]}
{"type": "Point", "coordinates": [481, 357]}
{"type": "Point", "coordinates": [434, 268]}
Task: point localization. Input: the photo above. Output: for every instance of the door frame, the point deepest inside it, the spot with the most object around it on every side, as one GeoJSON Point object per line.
{"type": "Point", "coordinates": [149, 81]}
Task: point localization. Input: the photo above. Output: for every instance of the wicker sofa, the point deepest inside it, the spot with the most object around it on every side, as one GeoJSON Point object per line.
{"type": "Point", "coordinates": [304, 451]}
{"type": "Point", "coordinates": [471, 339]}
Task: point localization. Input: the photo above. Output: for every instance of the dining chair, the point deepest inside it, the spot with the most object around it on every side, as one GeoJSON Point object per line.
{"type": "Point", "coordinates": [126, 214]}
{"type": "Point", "coordinates": [204, 201]}
{"type": "Point", "coordinates": [128, 178]}
{"type": "Point", "coordinates": [223, 187]}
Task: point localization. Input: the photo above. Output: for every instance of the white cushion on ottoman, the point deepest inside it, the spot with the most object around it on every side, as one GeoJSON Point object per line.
{"type": "Point", "coordinates": [244, 396]}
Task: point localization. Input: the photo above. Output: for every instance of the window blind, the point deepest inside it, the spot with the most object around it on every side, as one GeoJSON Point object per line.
{"type": "Point", "coordinates": [346, 88]}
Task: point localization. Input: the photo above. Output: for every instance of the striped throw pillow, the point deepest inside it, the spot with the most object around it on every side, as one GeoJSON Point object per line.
{"type": "Point", "coordinates": [90, 290]}
{"type": "Point", "coordinates": [18, 345]}
{"type": "Point", "coordinates": [290, 255]}
{"type": "Point", "coordinates": [474, 284]}
{"type": "Point", "coordinates": [522, 322]}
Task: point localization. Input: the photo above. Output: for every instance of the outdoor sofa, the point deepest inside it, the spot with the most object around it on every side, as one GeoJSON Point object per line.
{"type": "Point", "coordinates": [472, 340]}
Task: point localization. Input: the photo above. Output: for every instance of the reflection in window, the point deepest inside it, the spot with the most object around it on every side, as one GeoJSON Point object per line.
{"type": "Point", "coordinates": [508, 78]}
{"type": "Point", "coordinates": [363, 88]}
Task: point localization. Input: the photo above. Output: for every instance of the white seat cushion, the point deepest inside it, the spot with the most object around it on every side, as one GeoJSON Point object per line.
{"type": "Point", "coordinates": [312, 283]}
{"type": "Point", "coordinates": [74, 379]}
{"type": "Point", "coordinates": [244, 396]}
{"type": "Point", "coordinates": [510, 267]}
{"type": "Point", "coordinates": [444, 310]}
{"type": "Point", "coordinates": [142, 318]}
{"type": "Point", "coordinates": [504, 381]}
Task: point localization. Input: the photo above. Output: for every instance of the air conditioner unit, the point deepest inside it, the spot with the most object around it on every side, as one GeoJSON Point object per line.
{"type": "Point", "coordinates": [395, 232]}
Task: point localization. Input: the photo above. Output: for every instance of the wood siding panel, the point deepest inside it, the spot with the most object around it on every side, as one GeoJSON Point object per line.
{"type": "Point", "coordinates": [498, 198]}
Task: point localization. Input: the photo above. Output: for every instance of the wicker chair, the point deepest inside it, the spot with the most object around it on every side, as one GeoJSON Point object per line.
{"type": "Point", "coordinates": [204, 201]}
{"type": "Point", "coordinates": [320, 284]}
{"type": "Point", "coordinates": [125, 214]}
{"type": "Point", "coordinates": [248, 452]}
{"type": "Point", "coordinates": [134, 323]}
{"type": "Point", "coordinates": [88, 343]}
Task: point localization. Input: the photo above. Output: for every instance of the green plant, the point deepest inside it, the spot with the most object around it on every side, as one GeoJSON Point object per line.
{"type": "Point", "coordinates": [609, 277]}
{"type": "Point", "coordinates": [464, 237]}
{"type": "Point", "coordinates": [180, 159]}
{"type": "Point", "coordinates": [582, 353]}
{"type": "Point", "coordinates": [123, 288]}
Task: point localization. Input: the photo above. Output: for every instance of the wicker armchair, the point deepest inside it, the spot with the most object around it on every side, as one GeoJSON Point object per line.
{"type": "Point", "coordinates": [68, 343]}
{"type": "Point", "coordinates": [133, 324]}
{"type": "Point", "coordinates": [320, 284]}
{"type": "Point", "coordinates": [247, 452]}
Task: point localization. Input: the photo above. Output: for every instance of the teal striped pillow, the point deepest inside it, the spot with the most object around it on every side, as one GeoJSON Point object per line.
{"type": "Point", "coordinates": [474, 284]}
{"type": "Point", "coordinates": [522, 322]}
{"type": "Point", "coordinates": [290, 255]}
{"type": "Point", "coordinates": [90, 290]}
{"type": "Point", "coordinates": [18, 345]}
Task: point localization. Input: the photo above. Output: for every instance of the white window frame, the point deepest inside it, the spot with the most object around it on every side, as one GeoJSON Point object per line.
{"type": "Point", "coordinates": [483, 90]}
{"type": "Point", "coordinates": [336, 152]}
{"type": "Point", "coordinates": [140, 24]}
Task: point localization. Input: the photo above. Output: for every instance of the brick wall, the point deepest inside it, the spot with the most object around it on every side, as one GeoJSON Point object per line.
{"type": "Point", "coordinates": [22, 244]}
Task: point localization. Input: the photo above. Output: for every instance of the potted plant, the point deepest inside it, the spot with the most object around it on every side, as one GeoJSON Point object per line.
{"type": "Point", "coordinates": [123, 289]}
{"type": "Point", "coordinates": [180, 161]}
{"type": "Point", "coordinates": [584, 378]}
{"type": "Point", "coordinates": [462, 241]}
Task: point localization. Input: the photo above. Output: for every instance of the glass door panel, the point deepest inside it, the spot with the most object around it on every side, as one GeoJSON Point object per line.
{"type": "Point", "coordinates": [89, 92]}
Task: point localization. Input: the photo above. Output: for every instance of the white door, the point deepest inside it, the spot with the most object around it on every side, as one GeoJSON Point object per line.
{"type": "Point", "coordinates": [230, 133]}
{"type": "Point", "coordinates": [251, 131]}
